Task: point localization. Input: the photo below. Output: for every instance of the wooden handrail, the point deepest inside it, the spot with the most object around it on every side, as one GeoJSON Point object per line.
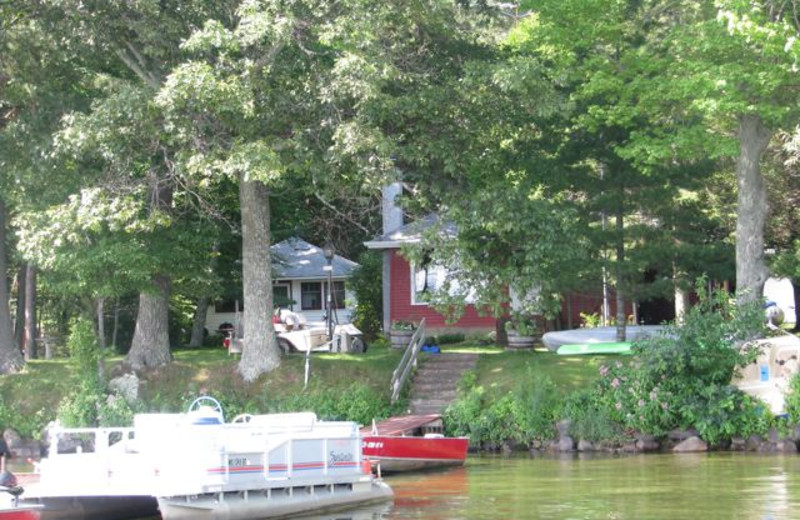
{"type": "Point", "coordinates": [408, 362]}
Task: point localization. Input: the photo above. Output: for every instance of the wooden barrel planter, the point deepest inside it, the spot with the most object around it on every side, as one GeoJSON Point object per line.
{"type": "Point", "coordinates": [517, 342]}
{"type": "Point", "coordinates": [400, 338]}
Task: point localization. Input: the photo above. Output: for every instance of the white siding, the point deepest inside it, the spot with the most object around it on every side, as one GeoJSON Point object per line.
{"type": "Point", "coordinates": [215, 319]}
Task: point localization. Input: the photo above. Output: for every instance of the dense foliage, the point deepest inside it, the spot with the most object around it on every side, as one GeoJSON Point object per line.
{"type": "Point", "coordinates": [89, 403]}
{"type": "Point", "coordinates": [678, 380]}
{"type": "Point", "coordinates": [365, 283]}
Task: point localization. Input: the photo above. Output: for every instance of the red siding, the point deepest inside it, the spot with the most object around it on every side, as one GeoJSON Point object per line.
{"type": "Point", "coordinates": [591, 303]}
{"type": "Point", "coordinates": [402, 309]}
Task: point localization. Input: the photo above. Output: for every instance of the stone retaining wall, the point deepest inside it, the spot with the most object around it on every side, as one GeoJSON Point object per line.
{"type": "Point", "coordinates": [677, 441]}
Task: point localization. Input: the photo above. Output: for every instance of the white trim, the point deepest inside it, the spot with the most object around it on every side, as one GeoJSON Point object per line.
{"type": "Point", "coordinates": [390, 244]}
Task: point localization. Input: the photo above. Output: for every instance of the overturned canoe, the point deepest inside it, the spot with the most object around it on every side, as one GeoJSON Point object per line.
{"type": "Point", "coordinates": [554, 340]}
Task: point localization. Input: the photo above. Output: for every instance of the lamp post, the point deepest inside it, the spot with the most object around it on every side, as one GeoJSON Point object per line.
{"type": "Point", "coordinates": [328, 251]}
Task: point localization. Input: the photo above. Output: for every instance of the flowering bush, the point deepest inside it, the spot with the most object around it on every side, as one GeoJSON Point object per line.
{"type": "Point", "coordinates": [681, 378]}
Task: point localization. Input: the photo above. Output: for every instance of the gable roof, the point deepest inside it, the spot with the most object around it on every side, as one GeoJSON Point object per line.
{"type": "Point", "coordinates": [411, 233]}
{"type": "Point", "coordinates": [296, 258]}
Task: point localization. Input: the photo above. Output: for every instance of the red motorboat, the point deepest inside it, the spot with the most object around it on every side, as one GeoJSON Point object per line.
{"type": "Point", "coordinates": [412, 442]}
{"type": "Point", "coordinates": [10, 506]}
{"type": "Point", "coordinates": [19, 511]}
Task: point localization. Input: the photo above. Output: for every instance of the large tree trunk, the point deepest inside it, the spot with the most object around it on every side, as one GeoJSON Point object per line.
{"type": "Point", "coordinates": [101, 322]}
{"type": "Point", "coordinates": [199, 322]}
{"type": "Point", "coordinates": [680, 292]}
{"type": "Point", "coordinates": [19, 320]}
{"type": "Point", "coordinates": [150, 345]}
{"type": "Point", "coordinates": [30, 312]}
{"type": "Point", "coordinates": [100, 309]}
{"type": "Point", "coordinates": [261, 353]}
{"type": "Point", "coordinates": [11, 359]}
{"type": "Point", "coordinates": [620, 293]}
{"type": "Point", "coordinates": [751, 211]}
{"type": "Point", "coordinates": [115, 330]}
{"type": "Point", "coordinates": [681, 304]}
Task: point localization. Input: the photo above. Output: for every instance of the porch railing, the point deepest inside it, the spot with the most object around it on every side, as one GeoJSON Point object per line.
{"type": "Point", "coordinates": [408, 362]}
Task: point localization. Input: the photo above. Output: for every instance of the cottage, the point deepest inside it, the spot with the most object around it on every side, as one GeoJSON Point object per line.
{"type": "Point", "coordinates": [405, 284]}
{"type": "Point", "coordinates": [300, 284]}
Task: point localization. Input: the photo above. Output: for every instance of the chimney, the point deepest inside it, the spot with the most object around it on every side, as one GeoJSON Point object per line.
{"type": "Point", "coordinates": [392, 213]}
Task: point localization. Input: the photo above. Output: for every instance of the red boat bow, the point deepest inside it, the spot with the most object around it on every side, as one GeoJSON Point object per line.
{"type": "Point", "coordinates": [411, 442]}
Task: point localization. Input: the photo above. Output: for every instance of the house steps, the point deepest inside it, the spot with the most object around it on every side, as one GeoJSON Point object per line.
{"type": "Point", "coordinates": [435, 383]}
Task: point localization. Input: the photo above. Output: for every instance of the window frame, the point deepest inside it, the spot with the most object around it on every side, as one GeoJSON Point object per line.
{"type": "Point", "coordinates": [320, 292]}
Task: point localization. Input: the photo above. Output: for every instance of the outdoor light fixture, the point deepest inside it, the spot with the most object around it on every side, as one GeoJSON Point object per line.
{"type": "Point", "coordinates": [328, 252]}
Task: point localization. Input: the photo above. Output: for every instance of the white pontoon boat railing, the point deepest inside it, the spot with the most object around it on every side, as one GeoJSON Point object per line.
{"type": "Point", "coordinates": [166, 455]}
{"type": "Point", "coordinates": [408, 362]}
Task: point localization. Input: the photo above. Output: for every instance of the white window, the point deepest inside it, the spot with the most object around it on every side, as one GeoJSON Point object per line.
{"type": "Point", "coordinates": [431, 277]}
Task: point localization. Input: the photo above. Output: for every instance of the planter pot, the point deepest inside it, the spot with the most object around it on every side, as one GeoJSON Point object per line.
{"type": "Point", "coordinates": [400, 338]}
{"type": "Point", "coordinates": [517, 342]}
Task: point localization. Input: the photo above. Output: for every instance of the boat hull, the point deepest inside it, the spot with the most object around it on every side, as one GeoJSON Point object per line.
{"type": "Point", "coordinates": [94, 507]}
{"type": "Point", "coordinates": [395, 454]}
{"type": "Point", "coordinates": [20, 513]}
{"type": "Point", "coordinates": [276, 504]}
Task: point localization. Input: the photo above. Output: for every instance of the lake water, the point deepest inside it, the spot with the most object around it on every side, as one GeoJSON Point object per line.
{"type": "Point", "coordinates": [636, 487]}
{"type": "Point", "coordinates": [689, 486]}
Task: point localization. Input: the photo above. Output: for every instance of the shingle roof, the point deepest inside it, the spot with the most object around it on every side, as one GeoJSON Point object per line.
{"type": "Point", "coordinates": [296, 258]}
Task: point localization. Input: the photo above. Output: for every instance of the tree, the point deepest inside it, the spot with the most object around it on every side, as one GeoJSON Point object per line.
{"type": "Point", "coordinates": [729, 64]}
{"type": "Point", "coordinates": [564, 202]}
{"type": "Point", "coordinates": [125, 49]}
{"type": "Point", "coordinates": [37, 85]}
{"type": "Point", "coordinates": [295, 93]}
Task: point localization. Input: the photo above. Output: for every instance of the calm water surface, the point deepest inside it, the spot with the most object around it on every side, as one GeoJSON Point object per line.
{"type": "Point", "coordinates": [670, 487]}
{"type": "Point", "coordinates": [707, 486]}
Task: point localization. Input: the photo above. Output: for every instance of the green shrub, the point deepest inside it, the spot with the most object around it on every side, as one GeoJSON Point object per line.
{"type": "Point", "coordinates": [793, 400]}
{"type": "Point", "coordinates": [537, 407]}
{"type": "Point", "coordinates": [357, 403]}
{"type": "Point", "coordinates": [81, 407]}
{"type": "Point", "coordinates": [588, 417]}
{"type": "Point", "coordinates": [500, 422]}
{"type": "Point", "coordinates": [28, 425]}
{"type": "Point", "coordinates": [590, 320]}
{"type": "Point", "coordinates": [676, 376]}
{"type": "Point", "coordinates": [521, 416]}
{"type": "Point", "coordinates": [719, 413]}
{"type": "Point", "coordinates": [116, 411]}
{"type": "Point", "coordinates": [445, 339]}
{"type": "Point", "coordinates": [463, 417]}
{"type": "Point", "coordinates": [368, 288]}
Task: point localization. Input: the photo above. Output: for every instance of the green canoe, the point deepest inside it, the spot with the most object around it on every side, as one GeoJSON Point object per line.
{"type": "Point", "coordinates": [581, 349]}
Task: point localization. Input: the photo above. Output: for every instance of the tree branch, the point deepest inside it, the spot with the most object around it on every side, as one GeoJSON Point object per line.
{"type": "Point", "coordinates": [137, 69]}
{"type": "Point", "coordinates": [341, 214]}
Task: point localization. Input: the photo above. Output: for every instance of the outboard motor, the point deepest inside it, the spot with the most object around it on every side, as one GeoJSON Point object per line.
{"type": "Point", "coordinates": [773, 313]}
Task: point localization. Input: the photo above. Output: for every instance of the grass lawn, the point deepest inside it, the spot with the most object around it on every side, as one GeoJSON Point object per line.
{"type": "Point", "coordinates": [38, 390]}
{"type": "Point", "coordinates": [504, 370]}
{"type": "Point", "coordinates": [209, 371]}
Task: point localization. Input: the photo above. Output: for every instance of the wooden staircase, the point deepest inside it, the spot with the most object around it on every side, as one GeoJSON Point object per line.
{"type": "Point", "coordinates": [435, 383]}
